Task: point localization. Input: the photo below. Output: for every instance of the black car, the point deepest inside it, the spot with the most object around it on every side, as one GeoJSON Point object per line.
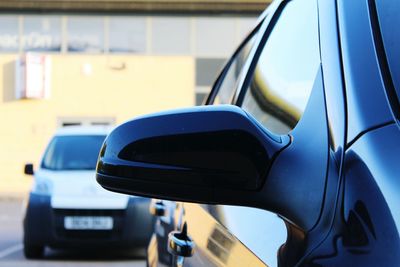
{"type": "Point", "coordinates": [303, 122]}
{"type": "Point", "coordinates": [266, 234]}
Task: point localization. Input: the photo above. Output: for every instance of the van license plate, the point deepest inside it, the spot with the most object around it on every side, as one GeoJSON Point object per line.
{"type": "Point", "coordinates": [88, 223]}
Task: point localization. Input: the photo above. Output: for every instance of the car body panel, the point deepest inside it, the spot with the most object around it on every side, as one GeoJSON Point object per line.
{"type": "Point", "coordinates": [301, 134]}
{"type": "Point", "coordinates": [317, 163]}
{"type": "Point", "coordinates": [332, 75]}
{"type": "Point", "coordinates": [387, 13]}
{"type": "Point", "coordinates": [364, 232]}
{"type": "Point", "coordinates": [215, 245]}
{"type": "Point", "coordinates": [379, 150]}
{"type": "Point", "coordinates": [366, 100]}
{"type": "Point", "coordinates": [241, 222]}
{"type": "Point", "coordinates": [358, 223]}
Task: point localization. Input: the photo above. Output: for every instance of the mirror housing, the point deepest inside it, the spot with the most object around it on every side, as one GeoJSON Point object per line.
{"type": "Point", "coordinates": [28, 169]}
{"type": "Point", "coordinates": [207, 154]}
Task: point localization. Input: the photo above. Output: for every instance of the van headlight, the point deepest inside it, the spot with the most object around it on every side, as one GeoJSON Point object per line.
{"type": "Point", "coordinates": [43, 187]}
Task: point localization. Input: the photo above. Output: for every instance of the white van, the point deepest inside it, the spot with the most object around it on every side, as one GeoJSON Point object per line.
{"type": "Point", "coordinates": [67, 208]}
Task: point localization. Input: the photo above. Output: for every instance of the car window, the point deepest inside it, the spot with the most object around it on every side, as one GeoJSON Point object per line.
{"type": "Point", "coordinates": [286, 69]}
{"type": "Point", "coordinates": [281, 83]}
{"type": "Point", "coordinates": [73, 152]}
{"type": "Point", "coordinates": [227, 86]}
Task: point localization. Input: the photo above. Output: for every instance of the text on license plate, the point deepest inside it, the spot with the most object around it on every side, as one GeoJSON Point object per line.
{"type": "Point", "coordinates": [88, 223]}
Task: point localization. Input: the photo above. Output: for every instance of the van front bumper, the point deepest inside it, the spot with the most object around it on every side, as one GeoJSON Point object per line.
{"type": "Point", "coordinates": [44, 225]}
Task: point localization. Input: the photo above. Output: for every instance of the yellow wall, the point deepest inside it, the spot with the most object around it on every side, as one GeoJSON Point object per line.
{"type": "Point", "coordinates": [117, 86]}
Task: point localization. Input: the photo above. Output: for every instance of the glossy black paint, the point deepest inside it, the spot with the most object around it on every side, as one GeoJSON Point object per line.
{"type": "Point", "coordinates": [336, 184]}
{"type": "Point", "coordinates": [214, 163]}
{"type": "Point", "coordinates": [168, 170]}
{"type": "Point", "coordinates": [383, 16]}
{"type": "Point", "coordinates": [301, 204]}
{"type": "Point", "coordinates": [364, 232]}
{"type": "Point", "coordinates": [333, 79]}
{"type": "Point", "coordinates": [365, 226]}
{"type": "Point", "coordinates": [365, 92]}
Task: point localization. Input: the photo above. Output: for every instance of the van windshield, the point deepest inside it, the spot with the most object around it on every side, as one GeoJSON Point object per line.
{"type": "Point", "coordinates": [78, 152]}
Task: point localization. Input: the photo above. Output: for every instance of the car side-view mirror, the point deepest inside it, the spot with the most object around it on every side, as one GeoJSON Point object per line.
{"type": "Point", "coordinates": [208, 154]}
{"type": "Point", "coordinates": [28, 169]}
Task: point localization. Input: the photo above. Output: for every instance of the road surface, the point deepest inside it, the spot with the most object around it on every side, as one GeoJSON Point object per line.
{"type": "Point", "coordinates": [11, 214]}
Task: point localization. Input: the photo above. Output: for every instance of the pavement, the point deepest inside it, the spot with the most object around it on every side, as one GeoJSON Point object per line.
{"type": "Point", "coordinates": [16, 188]}
{"type": "Point", "coordinates": [11, 214]}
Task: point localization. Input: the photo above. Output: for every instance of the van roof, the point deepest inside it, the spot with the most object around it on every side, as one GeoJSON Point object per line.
{"type": "Point", "coordinates": [84, 130]}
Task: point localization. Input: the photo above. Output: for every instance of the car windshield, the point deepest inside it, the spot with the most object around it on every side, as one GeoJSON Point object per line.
{"type": "Point", "coordinates": [78, 152]}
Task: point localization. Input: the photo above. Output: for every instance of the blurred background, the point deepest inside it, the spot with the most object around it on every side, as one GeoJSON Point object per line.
{"type": "Point", "coordinates": [99, 63]}
{"type": "Point", "coordinates": [94, 63]}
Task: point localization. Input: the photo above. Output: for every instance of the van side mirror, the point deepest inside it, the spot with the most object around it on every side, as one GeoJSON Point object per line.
{"type": "Point", "coordinates": [28, 169]}
{"type": "Point", "coordinates": [208, 154]}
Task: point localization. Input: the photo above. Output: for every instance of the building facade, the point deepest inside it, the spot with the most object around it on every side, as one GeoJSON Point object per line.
{"type": "Point", "coordinates": [64, 63]}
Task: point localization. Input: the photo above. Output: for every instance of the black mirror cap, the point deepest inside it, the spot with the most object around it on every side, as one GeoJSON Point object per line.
{"type": "Point", "coordinates": [28, 169]}
{"type": "Point", "coordinates": [206, 154]}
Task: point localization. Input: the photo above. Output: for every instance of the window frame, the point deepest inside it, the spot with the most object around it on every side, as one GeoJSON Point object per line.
{"type": "Point", "coordinates": [248, 75]}
{"type": "Point", "coordinates": [221, 76]}
{"type": "Point", "coordinates": [266, 31]}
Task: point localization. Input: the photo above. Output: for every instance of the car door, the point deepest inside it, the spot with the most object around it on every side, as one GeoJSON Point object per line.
{"type": "Point", "coordinates": [222, 93]}
{"type": "Point", "coordinates": [366, 226]}
{"type": "Point", "coordinates": [274, 86]}
{"type": "Point", "coordinates": [218, 243]}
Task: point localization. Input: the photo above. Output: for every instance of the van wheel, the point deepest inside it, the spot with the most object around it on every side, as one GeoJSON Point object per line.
{"type": "Point", "coordinates": [33, 251]}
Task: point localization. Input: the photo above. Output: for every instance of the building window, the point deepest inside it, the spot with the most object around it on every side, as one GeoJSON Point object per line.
{"type": "Point", "coordinates": [85, 34]}
{"type": "Point", "coordinates": [201, 94]}
{"type": "Point", "coordinates": [215, 37]}
{"type": "Point", "coordinates": [9, 34]}
{"type": "Point", "coordinates": [170, 35]}
{"type": "Point", "coordinates": [41, 33]}
{"type": "Point", "coordinates": [207, 70]}
{"type": "Point", "coordinates": [127, 35]}
{"type": "Point", "coordinates": [85, 121]}
{"type": "Point", "coordinates": [244, 26]}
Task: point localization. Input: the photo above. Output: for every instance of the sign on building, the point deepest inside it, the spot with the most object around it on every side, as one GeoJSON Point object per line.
{"type": "Point", "coordinates": [32, 76]}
